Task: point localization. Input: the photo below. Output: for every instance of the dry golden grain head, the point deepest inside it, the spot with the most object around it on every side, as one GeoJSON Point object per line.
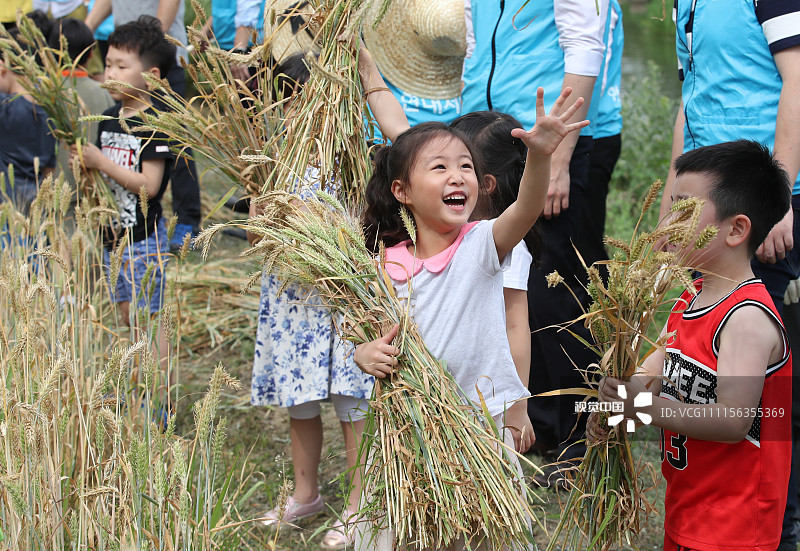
{"type": "Point", "coordinates": [116, 262]}
{"type": "Point", "coordinates": [554, 279]}
{"type": "Point", "coordinates": [652, 194]}
{"type": "Point", "coordinates": [408, 223]}
{"type": "Point", "coordinates": [173, 221]}
{"type": "Point", "coordinates": [168, 322]}
{"type": "Point", "coordinates": [144, 202]}
{"type": "Point", "coordinates": [706, 236]}
{"type": "Point", "coordinates": [684, 279]}
{"type": "Point", "coordinates": [110, 422]}
{"type": "Point", "coordinates": [617, 243]}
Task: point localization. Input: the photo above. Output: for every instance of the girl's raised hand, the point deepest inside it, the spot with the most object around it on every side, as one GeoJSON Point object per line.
{"type": "Point", "coordinates": [379, 357]}
{"type": "Point", "coordinates": [550, 130]}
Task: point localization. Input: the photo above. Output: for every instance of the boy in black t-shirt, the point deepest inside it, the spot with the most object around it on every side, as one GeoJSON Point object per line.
{"type": "Point", "coordinates": [133, 162]}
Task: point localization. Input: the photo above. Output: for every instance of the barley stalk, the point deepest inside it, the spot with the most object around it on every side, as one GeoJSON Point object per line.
{"type": "Point", "coordinates": [607, 503]}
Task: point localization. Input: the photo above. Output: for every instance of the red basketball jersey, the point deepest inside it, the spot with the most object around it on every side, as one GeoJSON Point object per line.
{"type": "Point", "coordinates": [719, 496]}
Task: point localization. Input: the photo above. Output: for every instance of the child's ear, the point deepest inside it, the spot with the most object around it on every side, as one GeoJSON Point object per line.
{"type": "Point", "coordinates": [739, 232]}
{"type": "Point", "coordinates": [155, 71]}
{"type": "Point", "coordinates": [491, 183]}
{"type": "Point", "coordinates": [399, 191]}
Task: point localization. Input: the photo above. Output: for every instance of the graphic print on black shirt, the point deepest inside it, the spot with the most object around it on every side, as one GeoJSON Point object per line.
{"type": "Point", "coordinates": [124, 150]}
{"type": "Point", "coordinates": [129, 150]}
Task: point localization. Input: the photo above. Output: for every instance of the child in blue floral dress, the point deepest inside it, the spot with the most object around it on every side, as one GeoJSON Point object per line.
{"type": "Point", "coordinates": [299, 359]}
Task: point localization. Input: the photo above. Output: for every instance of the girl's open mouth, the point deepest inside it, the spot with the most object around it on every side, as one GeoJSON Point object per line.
{"type": "Point", "coordinates": [455, 200]}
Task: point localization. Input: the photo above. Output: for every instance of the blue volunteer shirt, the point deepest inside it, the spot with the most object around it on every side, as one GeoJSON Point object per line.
{"type": "Point", "coordinates": [419, 109]}
{"type": "Point", "coordinates": [731, 87]}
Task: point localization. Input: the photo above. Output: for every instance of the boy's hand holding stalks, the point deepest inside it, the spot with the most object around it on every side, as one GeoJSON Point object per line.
{"type": "Point", "coordinates": [608, 391]}
{"type": "Point", "coordinates": [89, 154]}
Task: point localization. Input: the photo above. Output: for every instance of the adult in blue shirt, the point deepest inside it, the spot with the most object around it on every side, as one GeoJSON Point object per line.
{"type": "Point", "coordinates": [606, 139]}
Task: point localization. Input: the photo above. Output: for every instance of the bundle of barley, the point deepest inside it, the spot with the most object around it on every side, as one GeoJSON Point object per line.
{"type": "Point", "coordinates": [53, 92]}
{"type": "Point", "coordinates": [226, 122]}
{"type": "Point", "coordinates": [245, 133]}
{"type": "Point", "coordinates": [329, 112]}
{"type": "Point", "coordinates": [437, 468]}
{"type": "Point", "coordinates": [607, 502]}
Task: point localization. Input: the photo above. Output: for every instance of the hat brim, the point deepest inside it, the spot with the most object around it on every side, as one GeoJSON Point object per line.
{"type": "Point", "coordinates": [402, 59]}
{"type": "Point", "coordinates": [285, 28]}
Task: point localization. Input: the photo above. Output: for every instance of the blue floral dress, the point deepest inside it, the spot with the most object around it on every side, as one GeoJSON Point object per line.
{"type": "Point", "coordinates": [299, 357]}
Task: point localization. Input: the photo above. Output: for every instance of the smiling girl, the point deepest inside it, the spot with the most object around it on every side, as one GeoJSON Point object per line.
{"type": "Point", "coordinates": [456, 294]}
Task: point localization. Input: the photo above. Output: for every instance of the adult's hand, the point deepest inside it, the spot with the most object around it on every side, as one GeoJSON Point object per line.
{"type": "Point", "coordinates": [779, 241]}
{"type": "Point", "coordinates": [558, 192]}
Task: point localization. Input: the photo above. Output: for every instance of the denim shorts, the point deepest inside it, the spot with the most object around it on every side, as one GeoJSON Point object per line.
{"type": "Point", "coordinates": [136, 257]}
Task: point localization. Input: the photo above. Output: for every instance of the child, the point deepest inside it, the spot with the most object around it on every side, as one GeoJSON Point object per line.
{"type": "Point", "coordinates": [503, 160]}
{"type": "Point", "coordinates": [80, 45]}
{"type": "Point", "coordinates": [135, 163]}
{"type": "Point", "coordinates": [726, 367]}
{"type": "Point", "coordinates": [24, 137]}
{"type": "Point", "coordinates": [299, 359]}
{"type": "Point", "coordinates": [434, 171]}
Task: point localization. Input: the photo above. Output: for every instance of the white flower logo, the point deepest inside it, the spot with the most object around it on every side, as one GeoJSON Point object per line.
{"type": "Point", "coordinates": [643, 399]}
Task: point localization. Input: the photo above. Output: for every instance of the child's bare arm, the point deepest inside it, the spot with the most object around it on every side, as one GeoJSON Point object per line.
{"type": "Point", "coordinates": [387, 110]}
{"type": "Point", "coordinates": [518, 330]}
{"type": "Point", "coordinates": [379, 357]}
{"type": "Point", "coordinates": [519, 339]}
{"type": "Point", "coordinates": [150, 177]}
{"type": "Point", "coordinates": [546, 135]}
{"type": "Point", "coordinates": [749, 341]}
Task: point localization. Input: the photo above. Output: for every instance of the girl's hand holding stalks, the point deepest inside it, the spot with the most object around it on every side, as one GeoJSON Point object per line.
{"type": "Point", "coordinates": [519, 423]}
{"type": "Point", "coordinates": [379, 357]}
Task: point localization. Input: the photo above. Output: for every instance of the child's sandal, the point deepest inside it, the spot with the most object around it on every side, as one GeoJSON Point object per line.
{"type": "Point", "coordinates": [292, 512]}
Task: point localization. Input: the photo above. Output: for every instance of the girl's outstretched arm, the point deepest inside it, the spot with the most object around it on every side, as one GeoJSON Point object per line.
{"type": "Point", "coordinates": [546, 135]}
{"type": "Point", "coordinates": [387, 110]}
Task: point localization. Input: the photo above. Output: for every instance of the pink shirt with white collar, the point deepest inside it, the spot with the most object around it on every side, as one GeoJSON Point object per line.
{"type": "Point", "coordinates": [457, 302]}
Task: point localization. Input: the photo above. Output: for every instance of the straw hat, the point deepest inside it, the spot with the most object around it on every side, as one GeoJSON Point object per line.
{"type": "Point", "coordinates": [419, 45]}
{"type": "Point", "coordinates": [285, 27]}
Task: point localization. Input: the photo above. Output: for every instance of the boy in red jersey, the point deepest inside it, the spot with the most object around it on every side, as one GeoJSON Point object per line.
{"type": "Point", "coordinates": [724, 376]}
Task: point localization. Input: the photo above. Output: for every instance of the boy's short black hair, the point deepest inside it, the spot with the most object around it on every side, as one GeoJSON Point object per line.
{"type": "Point", "coordinates": [42, 22]}
{"type": "Point", "coordinates": [746, 179]}
{"type": "Point", "coordinates": [78, 36]}
{"type": "Point", "coordinates": [146, 38]}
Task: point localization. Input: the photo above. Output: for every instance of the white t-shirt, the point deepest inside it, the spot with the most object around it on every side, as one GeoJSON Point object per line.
{"type": "Point", "coordinates": [516, 277]}
{"type": "Point", "coordinates": [457, 303]}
